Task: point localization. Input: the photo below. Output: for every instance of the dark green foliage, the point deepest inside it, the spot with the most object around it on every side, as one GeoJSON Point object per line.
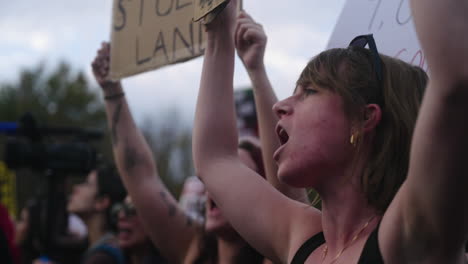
{"type": "Point", "coordinates": [64, 97]}
{"type": "Point", "coordinates": [61, 97]}
{"type": "Point", "coordinates": [171, 142]}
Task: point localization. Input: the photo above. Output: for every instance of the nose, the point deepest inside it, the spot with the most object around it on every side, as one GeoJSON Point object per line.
{"type": "Point", "coordinates": [121, 214]}
{"type": "Point", "coordinates": [282, 108]}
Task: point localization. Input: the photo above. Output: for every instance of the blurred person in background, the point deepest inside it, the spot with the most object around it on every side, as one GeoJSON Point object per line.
{"type": "Point", "coordinates": [192, 199]}
{"type": "Point", "coordinates": [30, 236]}
{"type": "Point", "coordinates": [92, 201]}
{"type": "Point", "coordinates": [132, 238]}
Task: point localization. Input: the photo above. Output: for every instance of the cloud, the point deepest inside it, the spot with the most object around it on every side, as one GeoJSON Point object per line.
{"type": "Point", "coordinates": [50, 30]}
{"type": "Point", "coordinates": [40, 41]}
{"type": "Point", "coordinates": [18, 37]}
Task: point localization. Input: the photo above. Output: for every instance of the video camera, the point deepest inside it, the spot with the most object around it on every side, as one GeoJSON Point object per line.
{"type": "Point", "coordinates": [28, 149]}
{"type": "Point", "coordinates": [53, 152]}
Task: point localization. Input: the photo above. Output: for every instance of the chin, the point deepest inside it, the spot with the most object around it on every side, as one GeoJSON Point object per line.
{"type": "Point", "coordinates": [132, 243]}
{"type": "Point", "coordinates": [75, 208]}
{"type": "Point", "coordinates": [126, 245]}
{"type": "Point", "coordinates": [71, 209]}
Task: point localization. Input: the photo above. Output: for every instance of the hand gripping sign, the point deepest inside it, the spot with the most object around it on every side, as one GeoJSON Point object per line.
{"type": "Point", "coordinates": [149, 34]}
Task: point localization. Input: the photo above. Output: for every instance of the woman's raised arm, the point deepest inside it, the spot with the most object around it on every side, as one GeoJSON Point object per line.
{"type": "Point", "coordinates": [250, 203]}
{"type": "Point", "coordinates": [168, 226]}
{"type": "Point", "coordinates": [428, 220]}
{"type": "Point", "coordinates": [251, 40]}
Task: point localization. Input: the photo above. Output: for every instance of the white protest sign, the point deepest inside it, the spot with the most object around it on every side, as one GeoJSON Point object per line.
{"type": "Point", "coordinates": [391, 23]}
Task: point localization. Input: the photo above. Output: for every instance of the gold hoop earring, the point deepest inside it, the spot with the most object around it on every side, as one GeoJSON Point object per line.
{"type": "Point", "coordinates": [353, 140]}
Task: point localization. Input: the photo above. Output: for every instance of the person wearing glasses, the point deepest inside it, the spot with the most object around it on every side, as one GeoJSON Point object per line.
{"type": "Point", "coordinates": [178, 237]}
{"type": "Point", "coordinates": [131, 236]}
{"type": "Point", "coordinates": [392, 182]}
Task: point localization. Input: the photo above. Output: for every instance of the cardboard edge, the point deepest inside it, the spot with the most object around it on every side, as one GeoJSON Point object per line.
{"type": "Point", "coordinates": [198, 17]}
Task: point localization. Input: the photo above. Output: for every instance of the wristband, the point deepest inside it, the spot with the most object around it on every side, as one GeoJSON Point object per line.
{"type": "Point", "coordinates": [114, 96]}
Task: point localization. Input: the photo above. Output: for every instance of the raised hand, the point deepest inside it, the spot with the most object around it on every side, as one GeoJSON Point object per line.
{"type": "Point", "coordinates": [250, 40]}
{"type": "Point", "coordinates": [226, 20]}
{"type": "Point", "coordinates": [101, 66]}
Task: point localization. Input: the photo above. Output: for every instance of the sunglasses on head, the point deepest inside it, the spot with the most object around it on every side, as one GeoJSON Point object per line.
{"type": "Point", "coordinates": [127, 208]}
{"type": "Point", "coordinates": [364, 40]}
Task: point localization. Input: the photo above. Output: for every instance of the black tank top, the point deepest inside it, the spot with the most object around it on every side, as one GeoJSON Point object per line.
{"type": "Point", "coordinates": [370, 254]}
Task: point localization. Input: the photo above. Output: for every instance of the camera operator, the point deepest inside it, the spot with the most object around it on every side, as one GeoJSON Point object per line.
{"type": "Point", "coordinates": [92, 201]}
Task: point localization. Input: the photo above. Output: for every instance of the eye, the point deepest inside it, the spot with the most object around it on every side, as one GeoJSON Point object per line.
{"type": "Point", "coordinates": [309, 91]}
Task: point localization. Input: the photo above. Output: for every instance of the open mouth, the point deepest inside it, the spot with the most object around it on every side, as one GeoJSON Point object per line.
{"type": "Point", "coordinates": [282, 134]}
{"type": "Point", "coordinates": [124, 233]}
{"type": "Point", "coordinates": [212, 205]}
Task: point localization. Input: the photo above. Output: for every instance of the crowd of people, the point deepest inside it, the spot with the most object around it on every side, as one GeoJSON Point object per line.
{"type": "Point", "coordinates": [380, 142]}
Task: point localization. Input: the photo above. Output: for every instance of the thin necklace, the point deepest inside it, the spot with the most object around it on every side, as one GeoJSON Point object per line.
{"type": "Point", "coordinates": [325, 250]}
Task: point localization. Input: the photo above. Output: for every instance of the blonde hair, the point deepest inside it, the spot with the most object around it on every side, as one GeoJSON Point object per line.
{"type": "Point", "coordinates": [350, 73]}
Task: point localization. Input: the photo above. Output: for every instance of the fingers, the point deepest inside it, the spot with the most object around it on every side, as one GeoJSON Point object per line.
{"type": "Point", "coordinates": [101, 62]}
{"type": "Point", "coordinates": [244, 14]}
{"type": "Point", "coordinates": [248, 31]}
{"type": "Point", "coordinates": [245, 21]}
{"type": "Point", "coordinates": [227, 18]}
{"type": "Point", "coordinates": [253, 35]}
{"type": "Point", "coordinates": [103, 55]}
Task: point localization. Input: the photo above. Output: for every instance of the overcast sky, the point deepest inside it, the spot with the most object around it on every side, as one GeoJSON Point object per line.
{"type": "Point", "coordinates": [53, 30]}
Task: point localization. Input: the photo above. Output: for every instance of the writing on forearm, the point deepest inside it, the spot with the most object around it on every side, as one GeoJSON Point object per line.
{"type": "Point", "coordinates": [130, 157]}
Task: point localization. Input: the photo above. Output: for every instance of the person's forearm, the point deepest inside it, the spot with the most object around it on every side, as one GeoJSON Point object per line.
{"type": "Point", "coordinates": [169, 228]}
{"type": "Point", "coordinates": [265, 98]}
{"type": "Point", "coordinates": [435, 187]}
{"type": "Point", "coordinates": [131, 152]}
{"type": "Point", "coordinates": [215, 131]}
{"type": "Point", "coordinates": [442, 28]}
{"type": "Point", "coordinates": [166, 224]}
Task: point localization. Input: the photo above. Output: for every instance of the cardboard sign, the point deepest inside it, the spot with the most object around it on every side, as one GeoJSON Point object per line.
{"type": "Point", "coordinates": [204, 7]}
{"type": "Point", "coordinates": [148, 34]}
{"type": "Point", "coordinates": [391, 23]}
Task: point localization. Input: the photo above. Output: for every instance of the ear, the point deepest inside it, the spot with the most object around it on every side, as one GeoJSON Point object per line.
{"type": "Point", "coordinates": [372, 117]}
{"type": "Point", "coordinates": [102, 203]}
